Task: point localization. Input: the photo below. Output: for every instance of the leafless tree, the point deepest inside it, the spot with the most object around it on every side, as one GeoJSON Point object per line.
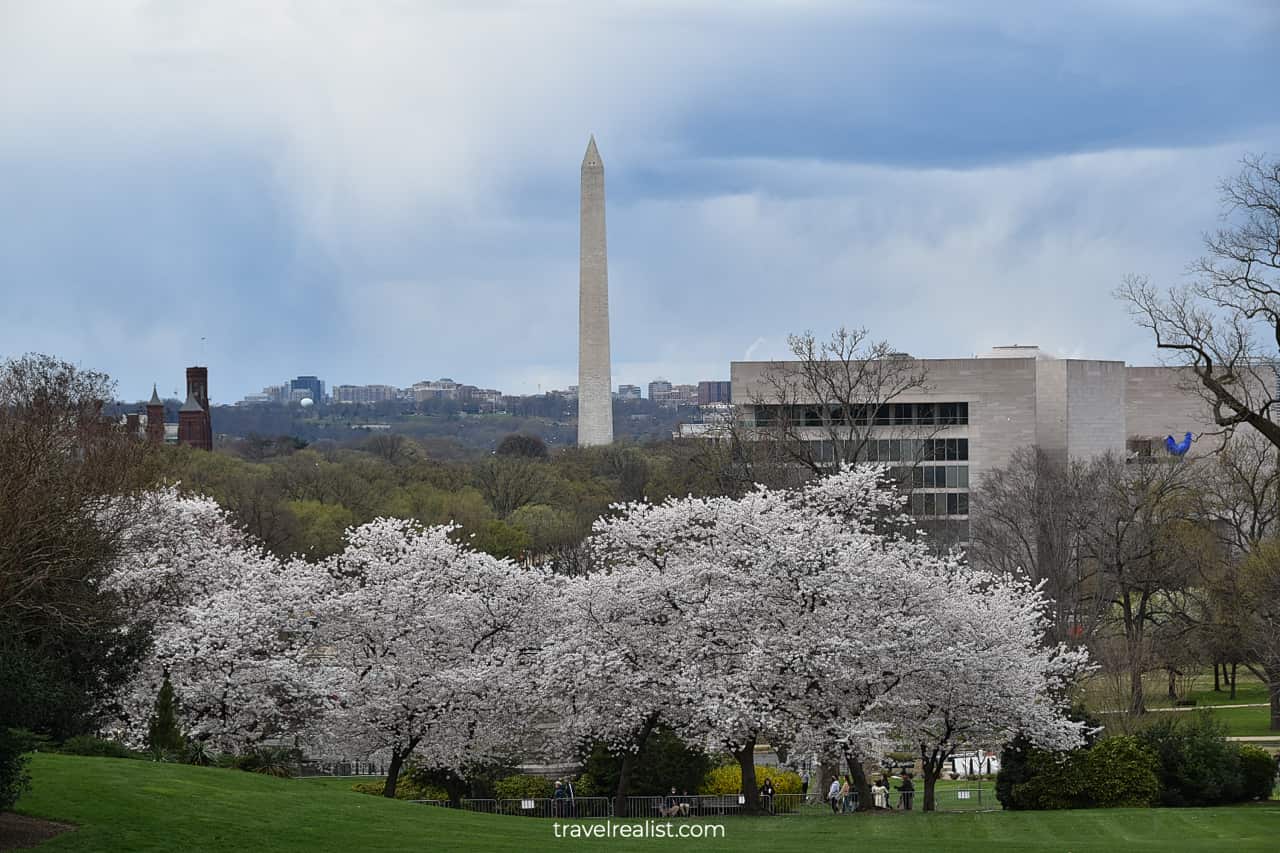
{"type": "Point", "coordinates": [1139, 531]}
{"type": "Point", "coordinates": [1225, 325]}
{"type": "Point", "coordinates": [1026, 519]}
{"type": "Point", "coordinates": [836, 388]}
{"type": "Point", "coordinates": [1260, 622]}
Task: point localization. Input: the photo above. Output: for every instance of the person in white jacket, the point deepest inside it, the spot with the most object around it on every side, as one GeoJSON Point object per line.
{"type": "Point", "coordinates": [833, 794]}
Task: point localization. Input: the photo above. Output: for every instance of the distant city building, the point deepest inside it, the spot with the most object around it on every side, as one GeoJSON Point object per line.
{"type": "Point", "coordinates": [714, 392]}
{"type": "Point", "coordinates": [440, 389]}
{"type": "Point", "coordinates": [364, 393]}
{"type": "Point", "coordinates": [311, 386]}
{"type": "Point", "coordinates": [658, 386]}
{"type": "Point", "coordinates": [628, 392]}
{"type": "Point", "coordinates": [674, 395]}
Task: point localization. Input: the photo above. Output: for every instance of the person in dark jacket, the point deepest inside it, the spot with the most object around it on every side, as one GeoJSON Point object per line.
{"type": "Point", "coordinates": [767, 793]}
{"type": "Point", "coordinates": [907, 789]}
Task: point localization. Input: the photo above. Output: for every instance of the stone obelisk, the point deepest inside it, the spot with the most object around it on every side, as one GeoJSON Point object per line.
{"type": "Point", "coordinates": [595, 400]}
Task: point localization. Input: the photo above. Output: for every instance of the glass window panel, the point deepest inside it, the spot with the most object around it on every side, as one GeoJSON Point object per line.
{"type": "Point", "coordinates": [895, 449]}
{"type": "Point", "coordinates": [917, 477]}
{"type": "Point", "coordinates": [962, 413]}
{"type": "Point", "coordinates": [963, 503]}
{"type": "Point", "coordinates": [924, 413]}
{"type": "Point", "coordinates": [953, 504]}
{"type": "Point", "coordinates": [963, 449]}
{"type": "Point", "coordinates": [953, 477]}
{"type": "Point", "coordinates": [883, 416]}
{"type": "Point", "coordinates": [962, 478]}
{"type": "Point", "coordinates": [917, 504]}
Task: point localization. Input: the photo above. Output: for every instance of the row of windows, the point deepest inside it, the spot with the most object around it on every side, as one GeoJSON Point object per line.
{"type": "Point", "coordinates": [917, 450]}
{"type": "Point", "coordinates": [897, 450]}
{"type": "Point", "coordinates": [933, 476]}
{"type": "Point", "coordinates": [945, 503]}
{"type": "Point", "coordinates": [889, 414]}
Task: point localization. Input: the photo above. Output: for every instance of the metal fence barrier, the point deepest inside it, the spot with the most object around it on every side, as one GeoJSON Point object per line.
{"type": "Point", "coordinates": [703, 805]}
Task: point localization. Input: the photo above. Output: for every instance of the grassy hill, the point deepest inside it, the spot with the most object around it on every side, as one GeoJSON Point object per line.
{"type": "Point", "coordinates": [122, 805]}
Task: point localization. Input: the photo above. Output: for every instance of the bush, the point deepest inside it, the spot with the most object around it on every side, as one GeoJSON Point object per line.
{"type": "Point", "coordinates": [199, 754]}
{"type": "Point", "coordinates": [1121, 772]}
{"type": "Point", "coordinates": [163, 734]}
{"type": "Point", "coordinates": [269, 761]}
{"type": "Point", "coordinates": [14, 778]}
{"type": "Point", "coordinates": [665, 761]}
{"type": "Point", "coordinates": [1258, 772]}
{"type": "Point", "coordinates": [522, 786]}
{"type": "Point", "coordinates": [1115, 772]}
{"type": "Point", "coordinates": [97, 747]}
{"type": "Point", "coordinates": [1198, 765]}
{"type": "Point", "coordinates": [727, 779]}
{"type": "Point", "coordinates": [406, 789]}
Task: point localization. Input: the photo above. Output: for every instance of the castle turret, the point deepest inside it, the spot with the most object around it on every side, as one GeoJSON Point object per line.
{"type": "Point", "coordinates": [155, 418]}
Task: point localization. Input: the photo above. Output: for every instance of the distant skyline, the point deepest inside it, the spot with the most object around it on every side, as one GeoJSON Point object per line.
{"type": "Point", "coordinates": [386, 192]}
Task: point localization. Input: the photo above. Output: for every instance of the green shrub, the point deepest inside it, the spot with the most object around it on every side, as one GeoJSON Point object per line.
{"type": "Point", "coordinates": [199, 754]}
{"type": "Point", "coordinates": [14, 778]}
{"type": "Point", "coordinates": [405, 789]}
{"type": "Point", "coordinates": [98, 747]}
{"type": "Point", "coordinates": [163, 735]}
{"type": "Point", "coordinates": [1258, 772]}
{"type": "Point", "coordinates": [1121, 772]}
{"type": "Point", "coordinates": [523, 786]}
{"type": "Point", "coordinates": [1115, 772]}
{"type": "Point", "coordinates": [1051, 780]}
{"type": "Point", "coordinates": [1198, 765]}
{"type": "Point", "coordinates": [727, 779]}
{"type": "Point", "coordinates": [665, 761]}
{"type": "Point", "coordinates": [269, 761]}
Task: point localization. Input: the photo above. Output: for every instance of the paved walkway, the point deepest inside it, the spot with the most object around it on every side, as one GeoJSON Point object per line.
{"type": "Point", "coordinates": [1195, 708]}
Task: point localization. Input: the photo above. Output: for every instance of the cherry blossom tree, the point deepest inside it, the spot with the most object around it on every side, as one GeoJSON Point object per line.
{"type": "Point", "coordinates": [228, 624]}
{"type": "Point", "coordinates": [987, 676]}
{"type": "Point", "coordinates": [424, 647]}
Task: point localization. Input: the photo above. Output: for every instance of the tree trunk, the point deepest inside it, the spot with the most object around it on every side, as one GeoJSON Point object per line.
{"type": "Point", "coordinates": [1173, 685]}
{"type": "Point", "coordinates": [1217, 684]}
{"type": "Point", "coordinates": [393, 773]}
{"type": "Point", "coordinates": [628, 761]}
{"type": "Point", "coordinates": [1137, 699]}
{"type": "Point", "coordinates": [1233, 679]}
{"type": "Point", "coordinates": [930, 786]}
{"type": "Point", "coordinates": [861, 785]}
{"type": "Point", "coordinates": [747, 762]}
{"type": "Point", "coordinates": [1275, 704]}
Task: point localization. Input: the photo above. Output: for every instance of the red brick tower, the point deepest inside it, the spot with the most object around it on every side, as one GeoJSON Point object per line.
{"type": "Point", "coordinates": [193, 425]}
{"type": "Point", "coordinates": [195, 428]}
{"type": "Point", "coordinates": [155, 418]}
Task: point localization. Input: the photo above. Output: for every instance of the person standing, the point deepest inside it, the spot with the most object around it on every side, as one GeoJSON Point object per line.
{"type": "Point", "coordinates": [907, 789]}
{"type": "Point", "coordinates": [879, 795]}
{"type": "Point", "coordinates": [846, 796]}
{"type": "Point", "coordinates": [767, 791]}
{"type": "Point", "coordinates": [558, 800]}
{"type": "Point", "coordinates": [833, 794]}
{"type": "Point", "coordinates": [804, 787]}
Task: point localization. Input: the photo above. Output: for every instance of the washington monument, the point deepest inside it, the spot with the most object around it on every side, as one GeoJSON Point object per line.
{"type": "Point", "coordinates": [595, 402]}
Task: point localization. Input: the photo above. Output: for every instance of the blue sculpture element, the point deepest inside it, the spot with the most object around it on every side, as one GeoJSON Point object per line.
{"type": "Point", "coordinates": [1178, 448]}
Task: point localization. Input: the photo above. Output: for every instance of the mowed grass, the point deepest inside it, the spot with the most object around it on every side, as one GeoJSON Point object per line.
{"type": "Point", "coordinates": [1101, 693]}
{"type": "Point", "coordinates": [122, 805]}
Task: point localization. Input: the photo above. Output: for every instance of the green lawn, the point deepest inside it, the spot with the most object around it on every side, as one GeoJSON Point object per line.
{"type": "Point", "coordinates": [124, 805]}
{"type": "Point", "coordinates": [1101, 693]}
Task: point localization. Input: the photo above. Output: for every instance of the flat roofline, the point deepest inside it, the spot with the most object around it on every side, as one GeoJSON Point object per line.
{"type": "Point", "coordinates": [987, 361]}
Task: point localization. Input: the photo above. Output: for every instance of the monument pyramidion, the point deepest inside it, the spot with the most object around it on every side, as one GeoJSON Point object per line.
{"type": "Point", "coordinates": [595, 402]}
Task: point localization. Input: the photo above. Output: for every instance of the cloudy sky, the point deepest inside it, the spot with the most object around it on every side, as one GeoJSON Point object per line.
{"type": "Point", "coordinates": [388, 191]}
